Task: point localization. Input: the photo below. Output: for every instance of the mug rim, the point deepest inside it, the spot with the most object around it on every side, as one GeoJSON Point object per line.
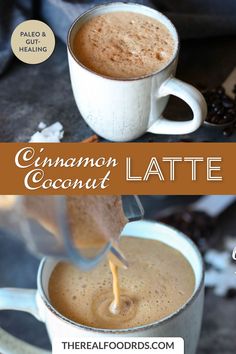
{"type": "Point", "coordinates": [164, 320]}
{"type": "Point", "coordinates": [134, 4]}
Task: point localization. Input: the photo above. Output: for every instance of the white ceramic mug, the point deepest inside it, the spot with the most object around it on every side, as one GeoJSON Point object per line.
{"type": "Point", "coordinates": [123, 110]}
{"type": "Point", "coordinates": [186, 322]}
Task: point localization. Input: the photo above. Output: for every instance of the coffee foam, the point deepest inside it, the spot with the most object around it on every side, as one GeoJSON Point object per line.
{"type": "Point", "coordinates": [157, 283]}
{"type": "Point", "coordinates": [123, 45]}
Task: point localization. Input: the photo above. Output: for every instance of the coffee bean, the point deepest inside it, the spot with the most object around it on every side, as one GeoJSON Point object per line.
{"type": "Point", "coordinates": [220, 90]}
{"type": "Point", "coordinates": [216, 103]}
{"type": "Point", "coordinates": [221, 108]}
{"type": "Point", "coordinates": [213, 119]}
{"type": "Point", "coordinates": [228, 103]}
{"type": "Point", "coordinates": [232, 111]}
{"type": "Point", "coordinates": [197, 225]}
{"type": "Point", "coordinates": [222, 121]}
{"type": "Point", "coordinates": [220, 111]}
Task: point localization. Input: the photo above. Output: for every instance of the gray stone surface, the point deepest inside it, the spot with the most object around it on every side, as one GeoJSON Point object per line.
{"type": "Point", "coordinates": [33, 93]}
{"type": "Point", "coordinates": [18, 269]}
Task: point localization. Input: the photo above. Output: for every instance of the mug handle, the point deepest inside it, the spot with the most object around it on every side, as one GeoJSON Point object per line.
{"type": "Point", "coordinates": [192, 97]}
{"type": "Point", "coordinates": [19, 300]}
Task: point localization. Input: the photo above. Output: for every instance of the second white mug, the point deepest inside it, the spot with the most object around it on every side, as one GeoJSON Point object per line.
{"type": "Point", "coordinates": [185, 322]}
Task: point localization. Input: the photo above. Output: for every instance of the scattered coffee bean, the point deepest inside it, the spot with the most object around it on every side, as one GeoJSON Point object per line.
{"type": "Point", "coordinates": [228, 103]}
{"type": "Point", "coordinates": [197, 225]}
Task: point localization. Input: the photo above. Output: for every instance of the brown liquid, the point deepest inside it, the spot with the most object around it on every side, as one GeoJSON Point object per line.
{"type": "Point", "coordinates": [123, 45]}
{"type": "Point", "coordinates": [158, 282]}
{"type": "Point", "coordinates": [115, 306]}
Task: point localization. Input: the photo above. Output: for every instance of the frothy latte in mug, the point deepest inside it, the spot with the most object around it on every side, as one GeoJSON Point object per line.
{"type": "Point", "coordinates": [123, 45]}
{"type": "Point", "coordinates": [158, 282]}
